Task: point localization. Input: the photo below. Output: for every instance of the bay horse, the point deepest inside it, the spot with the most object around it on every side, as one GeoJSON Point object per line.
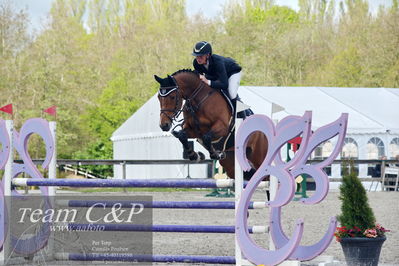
{"type": "Point", "coordinates": [207, 117]}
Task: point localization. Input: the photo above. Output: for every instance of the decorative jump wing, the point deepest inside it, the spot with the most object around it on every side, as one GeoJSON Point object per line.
{"type": "Point", "coordinates": [287, 129]}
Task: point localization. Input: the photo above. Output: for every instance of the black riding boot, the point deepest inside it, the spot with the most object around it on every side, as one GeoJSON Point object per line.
{"type": "Point", "coordinates": [241, 114]}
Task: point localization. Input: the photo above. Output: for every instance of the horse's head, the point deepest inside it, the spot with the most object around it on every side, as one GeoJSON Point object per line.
{"type": "Point", "coordinates": [170, 100]}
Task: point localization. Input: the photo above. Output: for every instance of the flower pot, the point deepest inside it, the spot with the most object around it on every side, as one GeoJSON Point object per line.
{"type": "Point", "coordinates": [362, 250]}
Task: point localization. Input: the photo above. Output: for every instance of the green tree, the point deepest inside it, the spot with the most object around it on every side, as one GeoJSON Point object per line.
{"type": "Point", "coordinates": [262, 27]}
{"type": "Point", "coordinates": [14, 38]}
{"type": "Point", "coordinates": [356, 211]}
{"type": "Point", "coordinates": [136, 54]}
{"type": "Point", "coordinates": [95, 59]}
{"type": "Point", "coordinates": [345, 69]}
{"type": "Point", "coordinates": [59, 74]}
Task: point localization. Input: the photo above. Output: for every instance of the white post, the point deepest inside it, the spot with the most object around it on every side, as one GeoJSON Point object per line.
{"type": "Point", "coordinates": [52, 169]}
{"type": "Point", "coordinates": [8, 173]}
{"type": "Point", "coordinates": [52, 174]}
{"type": "Point", "coordinates": [238, 179]}
{"type": "Point", "coordinates": [9, 165]}
{"type": "Point", "coordinates": [238, 185]}
{"type": "Point", "coordinates": [273, 185]}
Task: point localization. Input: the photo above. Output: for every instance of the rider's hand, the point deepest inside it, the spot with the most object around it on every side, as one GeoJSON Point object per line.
{"type": "Point", "coordinates": [204, 79]}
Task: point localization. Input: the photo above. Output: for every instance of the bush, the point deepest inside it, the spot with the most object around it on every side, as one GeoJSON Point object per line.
{"type": "Point", "coordinates": [357, 218]}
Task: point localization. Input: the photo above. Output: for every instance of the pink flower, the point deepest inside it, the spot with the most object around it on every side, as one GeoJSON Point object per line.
{"type": "Point", "coordinates": [376, 231]}
{"type": "Point", "coordinates": [372, 233]}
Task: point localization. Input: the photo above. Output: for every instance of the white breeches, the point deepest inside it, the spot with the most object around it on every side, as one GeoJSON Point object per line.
{"type": "Point", "coordinates": [234, 83]}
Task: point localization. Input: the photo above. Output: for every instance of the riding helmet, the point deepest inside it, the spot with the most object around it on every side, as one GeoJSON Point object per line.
{"type": "Point", "coordinates": [202, 48]}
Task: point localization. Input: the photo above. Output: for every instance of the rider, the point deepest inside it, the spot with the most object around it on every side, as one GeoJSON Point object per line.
{"type": "Point", "coordinates": [217, 71]}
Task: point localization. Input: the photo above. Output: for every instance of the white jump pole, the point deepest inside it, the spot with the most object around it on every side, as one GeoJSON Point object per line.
{"type": "Point", "coordinates": [8, 172]}
{"type": "Point", "coordinates": [52, 174]}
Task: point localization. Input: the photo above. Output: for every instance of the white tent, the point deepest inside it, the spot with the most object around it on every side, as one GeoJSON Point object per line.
{"type": "Point", "coordinates": [371, 110]}
{"type": "Point", "coordinates": [373, 128]}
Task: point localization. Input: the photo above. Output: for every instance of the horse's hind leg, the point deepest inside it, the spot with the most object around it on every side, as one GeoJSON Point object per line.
{"type": "Point", "coordinates": [192, 155]}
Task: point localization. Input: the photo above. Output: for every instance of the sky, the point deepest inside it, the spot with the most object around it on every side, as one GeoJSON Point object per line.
{"type": "Point", "coordinates": [38, 9]}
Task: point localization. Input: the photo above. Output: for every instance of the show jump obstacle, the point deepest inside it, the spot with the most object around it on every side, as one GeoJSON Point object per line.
{"type": "Point", "coordinates": [247, 252]}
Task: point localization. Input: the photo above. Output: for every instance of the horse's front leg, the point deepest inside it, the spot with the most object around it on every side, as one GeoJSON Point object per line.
{"type": "Point", "coordinates": [207, 142]}
{"type": "Point", "coordinates": [192, 155]}
{"type": "Point", "coordinates": [217, 130]}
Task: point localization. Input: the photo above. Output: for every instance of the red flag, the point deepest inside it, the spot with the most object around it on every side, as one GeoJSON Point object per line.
{"type": "Point", "coordinates": [7, 108]}
{"type": "Point", "coordinates": [51, 110]}
{"type": "Point", "coordinates": [295, 143]}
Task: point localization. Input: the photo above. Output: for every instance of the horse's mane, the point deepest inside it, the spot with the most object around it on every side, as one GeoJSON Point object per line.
{"type": "Point", "coordinates": [195, 72]}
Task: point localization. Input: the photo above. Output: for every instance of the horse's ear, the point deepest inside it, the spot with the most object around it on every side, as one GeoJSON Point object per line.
{"type": "Point", "coordinates": [170, 79]}
{"type": "Point", "coordinates": [158, 79]}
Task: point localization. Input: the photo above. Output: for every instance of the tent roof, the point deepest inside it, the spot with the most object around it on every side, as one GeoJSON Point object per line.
{"type": "Point", "coordinates": [371, 110]}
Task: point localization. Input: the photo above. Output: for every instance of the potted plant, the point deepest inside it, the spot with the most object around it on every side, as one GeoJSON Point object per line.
{"type": "Point", "coordinates": [360, 236]}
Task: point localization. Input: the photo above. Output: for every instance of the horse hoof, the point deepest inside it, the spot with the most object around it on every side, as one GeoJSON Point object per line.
{"type": "Point", "coordinates": [201, 156]}
{"type": "Point", "coordinates": [218, 155]}
{"type": "Point", "coordinates": [214, 156]}
{"type": "Point", "coordinates": [193, 157]}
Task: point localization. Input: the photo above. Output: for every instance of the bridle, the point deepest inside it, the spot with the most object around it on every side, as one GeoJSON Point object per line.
{"type": "Point", "coordinates": [164, 92]}
{"type": "Point", "coordinates": [188, 105]}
